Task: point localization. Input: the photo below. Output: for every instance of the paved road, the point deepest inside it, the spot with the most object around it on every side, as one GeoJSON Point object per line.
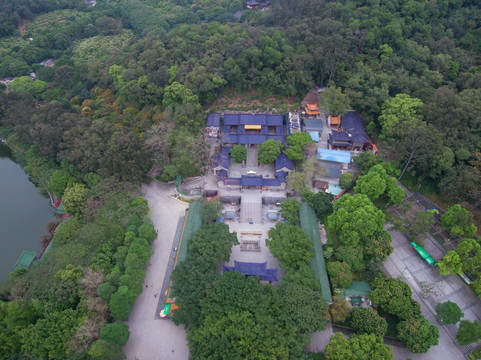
{"type": "Point", "coordinates": [406, 263]}
{"type": "Point", "coordinates": [152, 339]}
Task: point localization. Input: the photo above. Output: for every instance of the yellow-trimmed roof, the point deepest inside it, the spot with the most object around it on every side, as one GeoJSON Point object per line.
{"type": "Point", "coordinates": [252, 127]}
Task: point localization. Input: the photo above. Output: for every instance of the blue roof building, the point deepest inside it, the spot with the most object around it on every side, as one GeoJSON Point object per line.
{"type": "Point", "coordinates": [213, 120]}
{"type": "Point", "coordinates": [283, 163]}
{"type": "Point", "coordinates": [337, 156]}
{"type": "Point", "coordinates": [254, 269]}
{"type": "Point", "coordinates": [220, 163]}
{"type": "Point", "coordinates": [246, 129]}
{"type": "Point", "coordinates": [313, 124]}
{"type": "Point", "coordinates": [251, 180]}
{"type": "Point", "coordinates": [353, 136]}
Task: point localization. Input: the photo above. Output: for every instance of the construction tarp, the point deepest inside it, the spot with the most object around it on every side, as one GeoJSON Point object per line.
{"type": "Point", "coordinates": [318, 265]}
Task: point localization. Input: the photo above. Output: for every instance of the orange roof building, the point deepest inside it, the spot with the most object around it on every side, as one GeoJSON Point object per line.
{"type": "Point", "coordinates": [334, 121]}
{"type": "Point", "coordinates": [312, 109]}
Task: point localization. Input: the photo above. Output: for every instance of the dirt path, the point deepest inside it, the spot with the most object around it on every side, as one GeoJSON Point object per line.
{"type": "Point", "coordinates": [152, 339]}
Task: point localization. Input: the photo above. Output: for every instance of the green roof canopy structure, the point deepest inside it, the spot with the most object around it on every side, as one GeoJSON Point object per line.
{"type": "Point", "coordinates": [357, 289]}
{"type": "Point", "coordinates": [25, 260]}
{"type": "Point", "coordinates": [318, 265]}
{"type": "Point", "coordinates": [192, 224]}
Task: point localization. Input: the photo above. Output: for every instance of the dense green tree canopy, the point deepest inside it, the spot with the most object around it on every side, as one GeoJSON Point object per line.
{"type": "Point", "coordinates": [74, 199]}
{"type": "Point", "coordinates": [58, 182]}
{"type": "Point", "coordinates": [346, 180]}
{"type": "Point", "coordinates": [448, 312]}
{"type": "Point", "coordinates": [394, 297]}
{"type": "Point", "coordinates": [377, 182]}
{"type": "Point", "coordinates": [116, 332]}
{"type": "Point", "coordinates": [340, 309]}
{"type": "Point", "coordinates": [418, 334]}
{"type": "Point", "coordinates": [356, 220]}
{"type": "Point", "coordinates": [146, 114]}
{"type": "Point", "coordinates": [297, 142]}
{"type": "Point", "coordinates": [321, 202]}
{"type": "Point", "coordinates": [290, 211]}
{"type": "Point", "coordinates": [238, 153]}
{"type": "Point", "coordinates": [305, 307]}
{"type": "Point", "coordinates": [459, 221]}
{"type": "Point", "coordinates": [334, 101]}
{"type": "Point", "coordinates": [290, 245]}
{"type": "Point", "coordinates": [469, 332]}
{"type": "Point", "coordinates": [357, 347]}
{"type": "Point", "coordinates": [211, 210]}
{"type": "Point", "coordinates": [353, 255]}
{"type": "Point", "coordinates": [296, 180]}
{"type": "Point", "coordinates": [368, 321]}
{"type": "Point", "coordinates": [402, 107]}
{"type": "Point", "coordinates": [268, 151]}
{"type": "Point", "coordinates": [340, 274]}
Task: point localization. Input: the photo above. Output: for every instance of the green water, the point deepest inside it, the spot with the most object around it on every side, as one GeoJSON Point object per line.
{"type": "Point", "coordinates": [23, 213]}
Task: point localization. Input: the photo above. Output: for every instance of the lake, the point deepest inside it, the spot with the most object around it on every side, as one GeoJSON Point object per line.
{"type": "Point", "coordinates": [23, 213]}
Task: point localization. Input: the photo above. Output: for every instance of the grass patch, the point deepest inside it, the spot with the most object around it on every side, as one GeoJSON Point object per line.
{"type": "Point", "coordinates": [318, 356]}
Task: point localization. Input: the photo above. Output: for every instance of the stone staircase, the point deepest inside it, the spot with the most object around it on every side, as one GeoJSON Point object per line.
{"type": "Point", "coordinates": [251, 210]}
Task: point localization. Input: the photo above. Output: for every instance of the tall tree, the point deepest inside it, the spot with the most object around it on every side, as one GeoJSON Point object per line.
{"type": "Point", "coordinates": [356, 220]}
{"type": "Point", "coordinates": [340, 309]}
{"type": "Point", "coordinates": [290, 245]}
{"type": "Point", "coordinates": [418, 334]}
{"type": "Point", "coordinates": [124, 156]}
{"type": "Point", "coordinates": [398, 109]}
{"type": "Point", "coordinates": [74, 199]}
{"type": "Point", "coordinates": [413, 144]}
{"type": "Point", "coordinates": [334, 101]}
{"type": "Point", "coordinates": [469, 332]}
{"type": "Point", "coordinates": [357, 347]}
{"type": "Point", "coordinates": [304, 306]}
{"type": "Point", "coordinates": [394, 297]}
{"type": "Point", "coordinates": [238, 153]}
{"type": "Point", "coordinates": [448, 312]}
{"type": "Point", "coordinates": [459, 221]}
{"type": "Point", "coordinates": [340, 274]}
{"type": "Point", "coordinates": [368, 321]}
{"type": "Point", "coordinates": [269, 150]}
{"type": "Point", "coordinates": [290, 211]}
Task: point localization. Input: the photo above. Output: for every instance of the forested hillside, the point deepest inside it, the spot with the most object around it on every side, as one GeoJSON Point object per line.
{"type": "Point", "coordinates": [127, 95]}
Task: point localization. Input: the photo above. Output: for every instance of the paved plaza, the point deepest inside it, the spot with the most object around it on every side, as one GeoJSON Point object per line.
{"type": "Point", "coordinates": [405, 263]}
{"type": "Point", "coordinates": [152, 339]}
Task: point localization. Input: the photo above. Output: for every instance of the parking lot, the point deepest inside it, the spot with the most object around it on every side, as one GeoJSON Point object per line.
{"type": "Point", "coordinates": [405, 263]}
